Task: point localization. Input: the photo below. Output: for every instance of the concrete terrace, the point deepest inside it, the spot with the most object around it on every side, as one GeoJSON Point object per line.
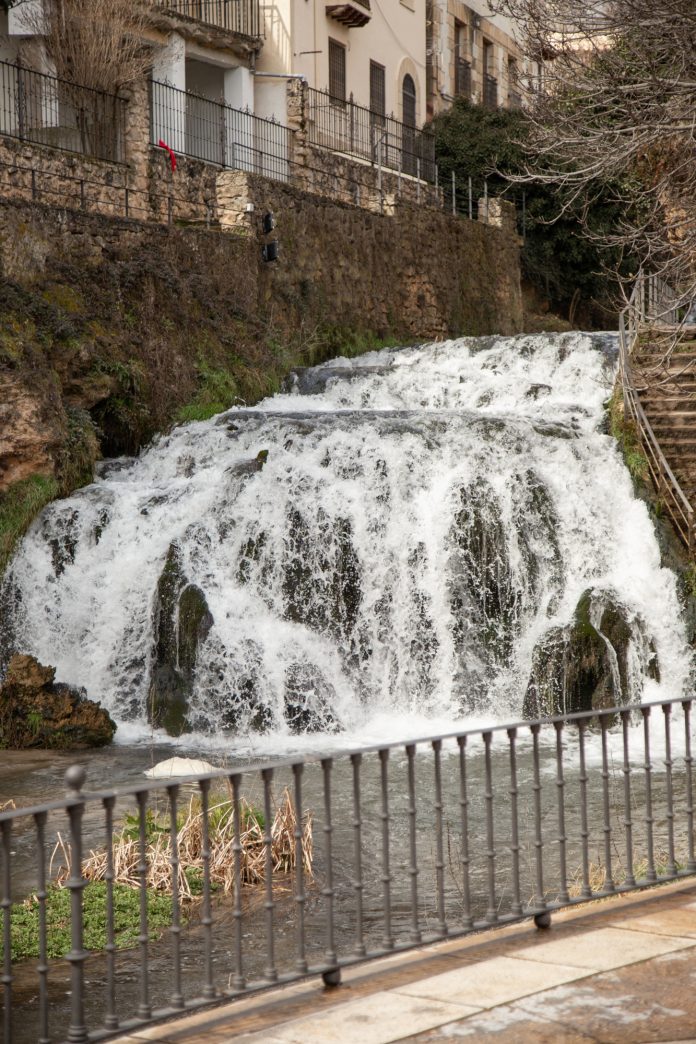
{"type": "Point", "coordinates": [618, 970]}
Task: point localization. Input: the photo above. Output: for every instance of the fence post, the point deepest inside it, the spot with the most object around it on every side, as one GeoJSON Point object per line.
{"type": "Point", "coordinates": [454, 193]}
{"type": "Point", "coordinates": [21, 100]}
{"type": "Point", "coordinates": [223, 137]}
{"type": "Point", "coordinates": [75, 779]}
{"type": "Point", "coordinates": [379, 178]}
{"type": "Point", "coordinates": [471, 200]}
{"type": "Point", "coordinates": [351, 122]}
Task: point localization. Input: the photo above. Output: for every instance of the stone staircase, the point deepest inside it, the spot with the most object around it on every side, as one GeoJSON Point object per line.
{"type": "Point", "coordinates": [666, 389]}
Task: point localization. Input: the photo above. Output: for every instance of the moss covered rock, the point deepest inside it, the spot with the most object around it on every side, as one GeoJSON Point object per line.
{"type": "Point", "coordinates": [182, 622]}
{"type": "Point", "coordinates": [584, 667]}
{"type": "Point", "coordinates": [36, 712]}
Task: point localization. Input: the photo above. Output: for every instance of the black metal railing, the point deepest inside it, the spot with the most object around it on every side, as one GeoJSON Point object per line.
{"type": "Point", "coordinates": [490, 92]}
{"type": "Point", "coordinates": [343, 126]}
{"type": "Point", "coordinates": [416, 841]}
{"type": "Point", "coordinates": [236, 16]}
{"type": "Point", "coordinates": [47, 110]}
{"type": "Point", "coordinates": [211, 131]}
{"type": "Point", "coordinates": [462, 77]}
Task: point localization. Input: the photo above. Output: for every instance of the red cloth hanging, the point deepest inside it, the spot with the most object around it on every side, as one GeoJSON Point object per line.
{"type": "Point", "coordinates": [172, 157]}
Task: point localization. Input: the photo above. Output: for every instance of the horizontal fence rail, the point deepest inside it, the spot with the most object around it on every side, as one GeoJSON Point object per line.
{"type": "Point", "coordinates": [237, 16]}
{"type": "Point", "coordinates": [652, 302]}
{"type": "Point", "coordinates": [273, 872]}
{"type": "Point", "coordinates": [343, 126]}
{"type": "Point", "coordinates": [213, 132]}
{"type": "Point", "coordinates": [46, 110]}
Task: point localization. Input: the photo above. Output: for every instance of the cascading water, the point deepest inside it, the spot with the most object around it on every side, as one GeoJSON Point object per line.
{"type": "Point", "coordinates": [394, 543]}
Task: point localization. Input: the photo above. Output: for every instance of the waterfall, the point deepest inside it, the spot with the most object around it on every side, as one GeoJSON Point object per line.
{"type": "Point", "coordinates": [387, 544]}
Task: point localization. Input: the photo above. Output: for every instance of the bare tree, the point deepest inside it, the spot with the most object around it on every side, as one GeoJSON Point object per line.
{"type": "Point", "coordinates": [617, 106]}
{"type": "Point", "coordinates": [96, 43]}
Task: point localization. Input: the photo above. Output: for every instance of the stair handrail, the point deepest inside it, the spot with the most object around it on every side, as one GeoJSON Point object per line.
{"type": "Point", "coordinates": [634, 316]}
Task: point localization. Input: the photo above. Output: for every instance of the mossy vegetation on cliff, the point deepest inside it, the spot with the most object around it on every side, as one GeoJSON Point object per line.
{"type": "Point", "coordinates": [19, 504]}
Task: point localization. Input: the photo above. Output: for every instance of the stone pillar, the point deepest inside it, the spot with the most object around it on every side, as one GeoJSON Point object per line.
{"type": "Point", "coordinates": [137, 147]}
{"type": "Point", "coordinates": [238, 88]}
{"type": "Point", "coordinates": [297, 97]}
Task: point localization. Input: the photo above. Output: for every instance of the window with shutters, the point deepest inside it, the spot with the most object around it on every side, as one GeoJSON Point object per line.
{"type": "Point", "coordinates": [337, 72]}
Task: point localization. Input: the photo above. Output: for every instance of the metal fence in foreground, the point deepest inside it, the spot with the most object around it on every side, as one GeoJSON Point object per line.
{"type": "Point", "coordinates": [413, 842]}
{"type": "Point", "coordinates": [46, 110]}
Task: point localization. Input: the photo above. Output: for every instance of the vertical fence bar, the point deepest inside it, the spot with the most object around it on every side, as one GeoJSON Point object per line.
{"type": "Point", "coordinates": [418, 179]}
{"type": "Point", "coordinates": [606, 808]}
{"type": "Point", "coordinates": [439, 839]}
{"type": "Point", "coordinates": [206, 913]}
{"type": "Point", "coordinates": [41, 895]}
{"type": "Point", "coordinates": [688, 762]}
{"type": "Point", "coordinates": [359, 948]}
{"type": "Point", "coordinates": [176, 997]}
{"type": "Point", "coordinates": [144, 1008]}
{"type": "Point", "coordinates": [238, 980]}
{"type": "Point", "coordinates": [628, 820]}
{"type": "Point", "coordinates": [650, 874]}
{"type": "Point", "coordinates": [110, 1016]}
{"type": "Point", "coordinates": [386, 869]}
{"type": "Point", "coordinates": [586, 890]}
{"type": "Point", "coordinates": [328, 889]}
{"type": "Point", "coordinates": [6, 905]}
{"type": "Point", "coordinates": [540, 900]}
{"type": "Point", "coordinates": [563, 895]}
{"type": "Point", "coordinates": [300, 897]}
{"type": "Point", "coordinates": [75, 779]}
{"type": "Point", "coordinates": [514, 792]}
{"type": "Point", "coordinates": [492, 910]}
{"type": "Point", "coordinates": [415, 933]}
{"type": "Point", "coordinates": [270, 972]}
{"type": "Point", "coordinates": [467, 919]}
{"type": "Point", "coordinates": [672, 860]}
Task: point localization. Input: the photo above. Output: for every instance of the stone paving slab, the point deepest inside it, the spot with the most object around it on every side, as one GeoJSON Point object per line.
{"type": "Point", "coordinates": [619, 971]}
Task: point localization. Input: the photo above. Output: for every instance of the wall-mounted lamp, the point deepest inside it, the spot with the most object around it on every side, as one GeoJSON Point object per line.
{"type": "Point", "coordinates": [477, 21]}
{"type": "Point", "coordinates": [269, 251]}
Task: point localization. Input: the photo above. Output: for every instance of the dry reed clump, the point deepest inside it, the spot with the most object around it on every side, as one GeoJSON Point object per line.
{"type": "Point", "coordinates": [189, 843]}
{"type": "Point", "coordinates": [598, 873]}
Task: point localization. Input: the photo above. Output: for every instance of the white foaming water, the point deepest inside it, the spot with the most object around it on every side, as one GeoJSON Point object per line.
{"type": "Point", "coordinates": [422, 519]}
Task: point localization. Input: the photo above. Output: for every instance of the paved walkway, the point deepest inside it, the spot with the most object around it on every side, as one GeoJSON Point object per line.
{"type": "Point", "coordinates": [618, 970]}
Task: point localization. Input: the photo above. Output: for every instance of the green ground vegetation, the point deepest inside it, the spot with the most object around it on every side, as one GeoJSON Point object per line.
{"type": "Point", "coordinates": [25, 920]}
{"type": "Point", "coordinates": [626, 434]}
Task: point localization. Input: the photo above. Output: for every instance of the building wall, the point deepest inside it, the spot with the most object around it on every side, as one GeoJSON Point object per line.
{"type": "Point", "coordinates": [297, 42]}
{"type": "Point", "coordinates": [482, 26]}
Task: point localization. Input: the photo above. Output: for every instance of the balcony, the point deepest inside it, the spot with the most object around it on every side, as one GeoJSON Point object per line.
{"type": "Point", "coordinates": [462, 78]}
{"type": "Point", "coordinates": [242, 17]}
{"type": "Point", "coordinates": [353, 14]}
{"type": "Point", "coordinates": [490, 92]}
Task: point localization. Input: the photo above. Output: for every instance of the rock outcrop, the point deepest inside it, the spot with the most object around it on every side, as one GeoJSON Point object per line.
{"type": "Point", "coordinates": [37, 712]}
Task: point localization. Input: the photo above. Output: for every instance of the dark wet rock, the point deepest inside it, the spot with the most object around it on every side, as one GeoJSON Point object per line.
{"type": "Point", "coordinates": [584, 667]}
{"type": "Point", "coordinates": [308, 700]}
{"type": "Point", "coordinates": [308, 380]}
{"type": "Point", "coordinates": [37, 712]}
{"type": "Point", "coordinates": [182, 623]}
{"type": "Point", "coordinates": [534, 391]}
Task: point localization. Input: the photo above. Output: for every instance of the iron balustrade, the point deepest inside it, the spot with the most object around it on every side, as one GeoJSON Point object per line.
{"type": "Point", "coordinates": [236, 16]}
{"type": "Point", "coordinates": [490, 92]}
{"type": "Point", "coordinates": [47, 110]}
{"type": "Point", "coordinates": [343, 126]}
{"type": "Point", "coordinates": [462, 77]}
{"type": "Point", "coordinates": [417, 841]}
{"type": "Point", "coordinates": [214, 132]}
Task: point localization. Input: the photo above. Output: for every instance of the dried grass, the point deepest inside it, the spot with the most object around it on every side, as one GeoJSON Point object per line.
{"type": "Point", "coordinates": [190, 844]}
